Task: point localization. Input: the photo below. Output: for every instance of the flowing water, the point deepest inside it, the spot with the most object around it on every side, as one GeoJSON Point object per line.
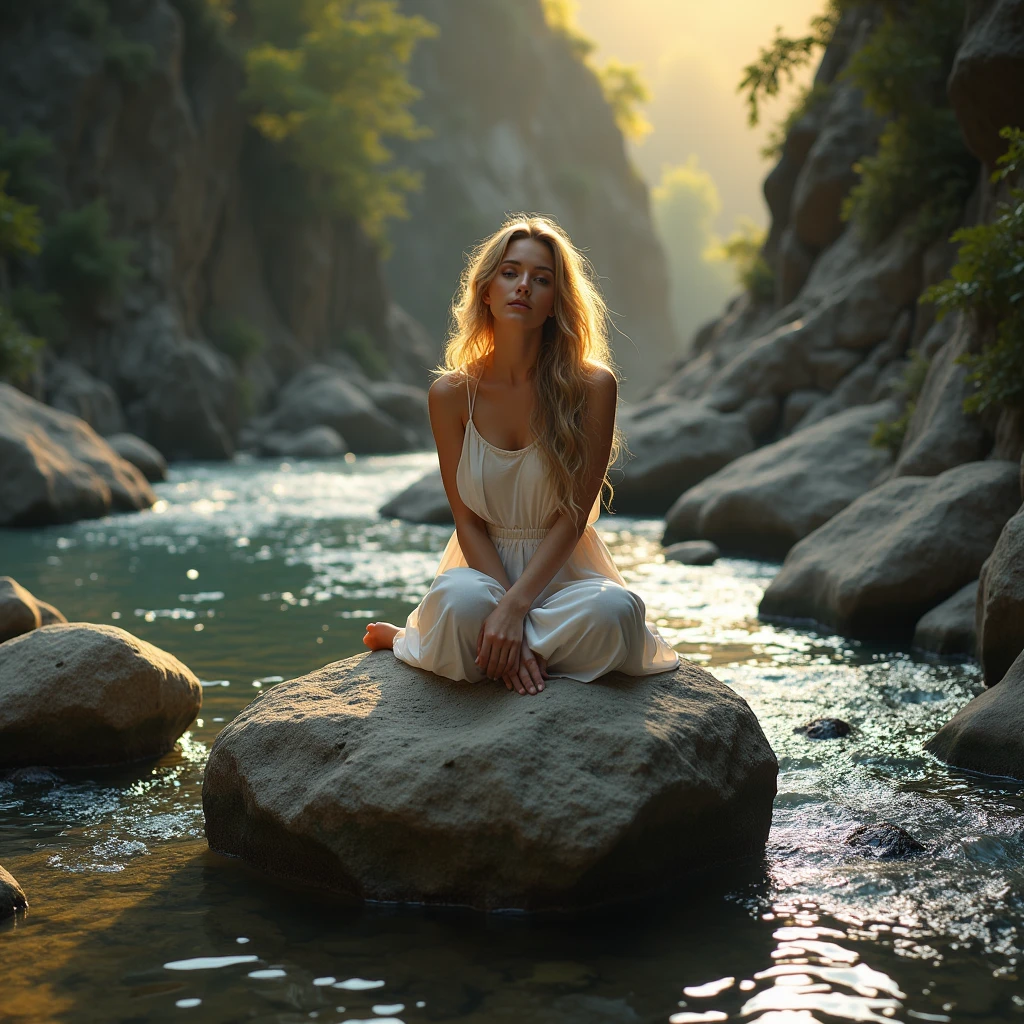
{"type": "Point", "coordinates": [254, 572]}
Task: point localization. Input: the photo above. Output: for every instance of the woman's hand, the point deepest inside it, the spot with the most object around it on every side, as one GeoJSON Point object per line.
{"type": "Point", "coordinates": [533, 670]}
{"type": "Point", "coordinates": [500, 641]}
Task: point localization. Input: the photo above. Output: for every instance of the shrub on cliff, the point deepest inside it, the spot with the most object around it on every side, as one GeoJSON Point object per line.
{"type": "Point", "coordinates": [326, 80]}
{"type": "Point", "coordinates": [988, 281]}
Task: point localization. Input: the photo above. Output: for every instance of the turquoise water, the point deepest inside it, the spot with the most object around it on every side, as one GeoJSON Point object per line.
{"type": "Point", "coordinates": [259, 571]}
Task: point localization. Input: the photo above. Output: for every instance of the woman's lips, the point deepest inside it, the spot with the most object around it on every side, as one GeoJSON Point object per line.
{"type": "Point", "coordinates": [519, 303]}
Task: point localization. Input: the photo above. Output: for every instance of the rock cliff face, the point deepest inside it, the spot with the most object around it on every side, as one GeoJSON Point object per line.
{"type": "Point", "coordinates": [802, 377]}
{"type": "Point", "coordinates": [185, 180]}
{"type": "Point", "coordinates": [520, 123]}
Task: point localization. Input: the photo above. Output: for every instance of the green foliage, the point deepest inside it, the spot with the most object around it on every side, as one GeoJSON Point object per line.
{"type": "Point", "coordinates": [921, 164]}
{"type": "Point", "coordinates": [890, 433]}
{"type": "Point", "coordinates": [561, 18]}
{"type": "Point", "coordinates": [132, 62]}
{"type": "Point", "coordinates": [624, 90]}
{"type": "Point", "coordinates": [39, 312]}
{"type": "Point", "coordinates": [743, 249]}
{"type": "Point", "coordinates": [237, 338]}
{"type": "Point", "coordinates": [83, 262]}
{"type": "Point", "coordinates": [808, 99]}
{"type": "Point", "coordinates": [783, 56]}
{"type": "Point", "coordinates": [87, 17]}
{"type": "Point", "coordinates": [359, 344]}
{"type": "Point", "coordinates": [207, 24]}
{"type": "Point", "coordinates": [18, 349]}
{"type": "Point", "coordinates": [326, 79]}
{"type": "Point", "coordinates": [987, 282]}
{"type": "Point", "coordinates": [19, 155]}
{"type": "Point", "coordinates": [19, 224]}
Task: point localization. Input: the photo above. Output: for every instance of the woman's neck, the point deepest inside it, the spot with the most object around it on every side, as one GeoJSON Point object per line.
{"type": "Point", "coordinates": [514, 354]}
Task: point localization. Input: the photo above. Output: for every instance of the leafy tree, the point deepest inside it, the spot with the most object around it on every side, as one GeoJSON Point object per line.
{"type": "Point", "coordinates": [890, 433]}
{"type": "Point", "coordinates": [624, 90]}
{"type": "Point", "coordinates": [743, 249]}
{"type": "Point", "coordinates": [19, 235]}
{"type": "Point", "coordinates": [327, 83]}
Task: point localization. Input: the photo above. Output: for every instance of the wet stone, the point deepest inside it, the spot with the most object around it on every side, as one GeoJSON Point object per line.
{"type": "Point", "coordinates": [824, 729]}
{"type": "Point", "coordinates": [883, 841]}
{"type": "Point", "coordinates": [12, 896]}
{"type": "Point", "coordinates": [692, 552]}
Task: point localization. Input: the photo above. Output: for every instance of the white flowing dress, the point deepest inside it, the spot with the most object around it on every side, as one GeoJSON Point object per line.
{"type": "Point", "coordinates": [585, 622]}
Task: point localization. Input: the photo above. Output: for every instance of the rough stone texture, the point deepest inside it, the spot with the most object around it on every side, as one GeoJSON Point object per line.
{"type": "Point", "coordinates": [984, 83]}
{"type": "Point", "coordinates": [558, 152]}
{"type": "Point", "coordinates": [674, 446]}
{"type": "Point", "coordinates": [20, 611]}
{"type": "Point", "coordinates": [83, 694]}
{"type": "Point", "coordinates": [377, 779]}
{"type": "Point", "coordinates": [142, 455]}
{"type": "Point", "coordinates": [940, 434]}
{"type": "Point", "coordinates": [883, 841]}
{"type": "Point", "coordinates": [949, 627]}
{"type": "Point", "coordinates": [323, 396]}
{"type": "Point", "coordinates": [57, 469]}
{"type": "Point", "coordinates": [71, 389]}
{"type": "Point", "coordinates": [422, 502]}
{"type": "Point", "coordinates": [12, 896]}
{"type": "Point", "coordinates": [405, 404]}
{"type": "Point", "coordinates": [693, 552]}
{"type": "Point", "coordinates": [185, 177]}
{"type": "Point", "coordinates": [987, 734]}
{"type": "Point", "coordinates": [311, 443]}
{"type": "Point", "coordinates": [764, 502]}
{"type": "Point", "coordinates": [1000, 606]}
{"type": "Point", "coordinates": [875, 568]}
{"type": "Point", "coordinates": [825, 729]}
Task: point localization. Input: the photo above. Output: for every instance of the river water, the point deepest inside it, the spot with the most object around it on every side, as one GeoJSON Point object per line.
{"type": "Point", "coordinates": [258, 571]}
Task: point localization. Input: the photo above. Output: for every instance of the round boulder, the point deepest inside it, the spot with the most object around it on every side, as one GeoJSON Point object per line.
{"type": "Point", "coordinates": [20, 611]}
{"type": "Point", "coordinates": [424, 501]}
{"type": "Point", "coordinates": [12, 896]}
{"type": "Point", "coordinates": [141, 454]}
{"type": "Point", "coordinates": [77, 694]}
{"type": "Point", "coordinates": [382, 781]}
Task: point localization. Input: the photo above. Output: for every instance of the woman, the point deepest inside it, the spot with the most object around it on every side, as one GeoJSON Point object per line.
{"type": "Point", "coordinates": [523, 416]}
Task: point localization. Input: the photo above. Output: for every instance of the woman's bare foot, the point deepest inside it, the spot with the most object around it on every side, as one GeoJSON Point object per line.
{"type": "Point", "coordinates": [380, 636]}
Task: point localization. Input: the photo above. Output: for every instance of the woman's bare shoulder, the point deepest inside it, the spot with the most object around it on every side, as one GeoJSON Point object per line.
{"type": "Point", "coordinates": [601, 381]}
{"type": "Point", "coordinates": [447, 390]}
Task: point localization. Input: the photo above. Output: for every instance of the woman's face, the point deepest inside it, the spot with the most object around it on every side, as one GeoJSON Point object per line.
{"type": "Point", "coordinates": [523, 291]}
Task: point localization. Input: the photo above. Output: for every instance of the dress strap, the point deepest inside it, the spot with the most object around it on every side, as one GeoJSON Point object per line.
{"type": "Point", "coordinates": [471, 395]}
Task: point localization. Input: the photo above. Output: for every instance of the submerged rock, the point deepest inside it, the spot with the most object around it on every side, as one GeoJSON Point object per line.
{"type": "Point", "coordinates": [949, 627]}
{"type": "Point", "coordinates": [1000, 609]}
{"type": "Point", "coordinates": [422, 502]}
{"type": "Point", "coordinates": [57, 469]}
{"type": "Point", "coordinates": [20, 611]}
{"type": "Point", "coordinates": [376, 779]}
{"type": "Point", "coordinates": [766, 501]}
{"type": "Point", "coordinates": [883, 841]}
{"type": "Point", "coordinates": [83, 694]}
{"type": "Point", "coordinates": [12, 896]}
{"type": "Point", "coordinates": [141, 454]}
{"type": "Point", "coordinates": [875, 568]}
{"type": "Point", "coordinates": [987, 734]}
{"type": "Point", "coordinates": [693, 552]}
{"type": "Point", "coordinates": [311, 443]}
{"type": "Point", "coordinates": [825, 729]}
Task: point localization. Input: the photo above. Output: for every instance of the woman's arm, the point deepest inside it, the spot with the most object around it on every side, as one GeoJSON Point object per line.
{"type": "Point", "coordinates": [501, 638]}
{"type": "Point", "coordinates": [446, 400]}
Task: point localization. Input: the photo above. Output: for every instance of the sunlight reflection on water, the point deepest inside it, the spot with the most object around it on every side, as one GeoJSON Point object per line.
{"type": "Point", "coordinates": [282, 562]}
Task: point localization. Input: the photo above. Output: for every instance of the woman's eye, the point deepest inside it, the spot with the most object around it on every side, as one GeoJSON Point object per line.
{"type": "Point", "coordinates": [508, 273]}
{"type": "Point", "coordinates": [543, 280]}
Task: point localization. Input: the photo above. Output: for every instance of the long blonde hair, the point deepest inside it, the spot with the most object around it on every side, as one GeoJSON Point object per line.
{"type": "Point", "coordinates": [573, 341]}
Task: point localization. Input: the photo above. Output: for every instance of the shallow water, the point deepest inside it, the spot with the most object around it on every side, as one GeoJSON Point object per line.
{"type": "Point", "coordinates": [260, 571]}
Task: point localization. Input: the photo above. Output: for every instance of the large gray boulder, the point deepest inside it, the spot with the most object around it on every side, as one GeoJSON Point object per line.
{"type": "Point", "coordinates": [949, 627]}
{"type": "Point", "coordinates": [323, 396]}
{"type": "Point", "coordinates": [674, 444]}
{"type": "Point", "coordinates": [82, 694]}
{"type": "Point", "coordinates": [141, 454]}
{"type": "Point", "coordinates": [987, 734]}
{"type": "Point", "coordinates": [12, 896]}
{"type": "Point", "coordinates": [1000, 607]}
{"type": "Point", "coordinates": [424, 501]}
{"type": "Point", "coordinates": [21, 611]}
{"type": "Point", "coordinates": [57, 469]}
{"type": "Point", "coordinates": [766, 501]}
{"type": "Point", "coordinates": [379, 780]}
{"type": "Point", "coordinates": [71, 389]}
{"type": "Point", "coordinates": [875, 568]}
